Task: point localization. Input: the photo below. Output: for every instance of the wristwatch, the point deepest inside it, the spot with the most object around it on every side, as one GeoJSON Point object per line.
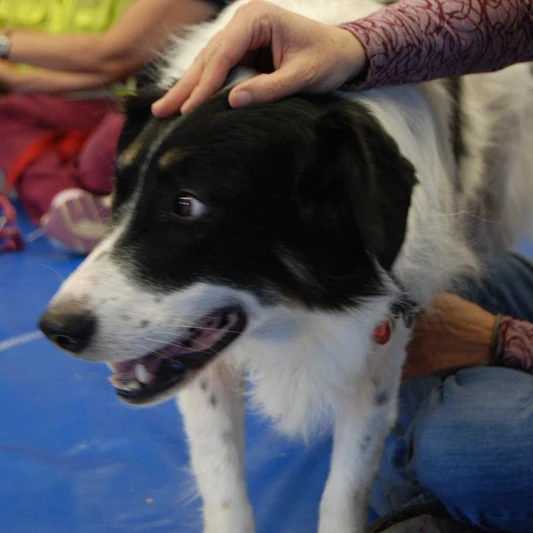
{"type": "Point", "coordinates": [5, 45]}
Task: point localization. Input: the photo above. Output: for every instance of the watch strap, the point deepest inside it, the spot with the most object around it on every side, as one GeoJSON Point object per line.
{"type": "Point", "coordinates": [5, 44]}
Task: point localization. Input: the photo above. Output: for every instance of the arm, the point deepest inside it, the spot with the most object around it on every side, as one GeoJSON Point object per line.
{"type": "Point", "coordinates": [41, 80]}
{"type": "Point", "coordinates": [90, 60]}
{"type": "Point", "coordinates": [419, 40]}
{"type": "Point", "coordinates": [456, 333]}
{"type": "Point", "coordinates": [409, 41]}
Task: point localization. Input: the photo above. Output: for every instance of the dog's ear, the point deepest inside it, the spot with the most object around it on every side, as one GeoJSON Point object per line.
{"type": "Point", "coordinates": [137, 108]}
{"type": "Point", "coordinates": [355, 197]}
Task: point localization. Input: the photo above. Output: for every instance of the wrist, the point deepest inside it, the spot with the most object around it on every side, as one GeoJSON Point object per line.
{"type": "Point", "coordinates": [485, 338]}
{"type": "Point", "coordinates": [357, 57]}
{"type": "Point", "coordinates": [11, 78]}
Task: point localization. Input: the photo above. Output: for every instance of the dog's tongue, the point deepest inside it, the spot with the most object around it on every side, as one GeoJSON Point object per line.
{"type": "Point", "coordinates": [129, 375]}
{"type": "Point", "coordinates": [126, 369]}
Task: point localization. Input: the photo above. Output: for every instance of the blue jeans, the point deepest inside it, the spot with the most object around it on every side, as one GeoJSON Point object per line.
{"type": "Point", "coordinates": [467, 440]}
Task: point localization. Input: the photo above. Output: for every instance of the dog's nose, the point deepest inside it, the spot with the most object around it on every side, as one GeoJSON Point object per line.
{"type": "Point", "coordinates": [70, 331]}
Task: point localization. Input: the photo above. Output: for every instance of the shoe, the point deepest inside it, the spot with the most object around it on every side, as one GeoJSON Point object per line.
{"type": "Point", "coordinates": [430, 517]}
{"type": "Point", "coordinates": [77, 219]}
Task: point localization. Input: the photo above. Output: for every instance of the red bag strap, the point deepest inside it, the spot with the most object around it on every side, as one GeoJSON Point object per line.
{"type": "Point", "coordinates": [27, 156]}
{"type": "Point", "coordinates": [67, 143]}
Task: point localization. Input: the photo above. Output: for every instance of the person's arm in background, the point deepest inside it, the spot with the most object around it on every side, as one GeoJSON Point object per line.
{"type": "Point", "coordinates": [409, 41]}
{"type": "Point", "coordinates": [73, 62]}
{"type": "Point", "coordinates": [455, 333]}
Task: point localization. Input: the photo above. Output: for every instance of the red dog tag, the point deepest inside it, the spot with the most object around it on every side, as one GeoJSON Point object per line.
{"type": "Point", "coordinates": [382, 333]}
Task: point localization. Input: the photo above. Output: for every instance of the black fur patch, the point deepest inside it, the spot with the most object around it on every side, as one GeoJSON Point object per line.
{"type": "Point", "coordinates": [213, 400]}
{"type": "Point", "coordinates": [314, 175]}
{"type": "Point", "coordinates": [381, 397]}
{"type": "Point", "coordinates": [364, 442]}
{"type": "Point", "coordinates": [137, 107]}
{"type": "Point", "coordinates": [457, 123]}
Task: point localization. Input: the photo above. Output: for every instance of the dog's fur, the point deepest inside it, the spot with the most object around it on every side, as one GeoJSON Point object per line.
{"type": "Point", "coordinates": [317, 216]}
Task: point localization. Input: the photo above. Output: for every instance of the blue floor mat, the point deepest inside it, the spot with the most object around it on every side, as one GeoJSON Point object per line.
{"type": "Point", "coordinates": [74, 459]}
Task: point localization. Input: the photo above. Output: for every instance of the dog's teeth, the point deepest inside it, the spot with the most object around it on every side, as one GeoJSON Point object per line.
{"type": "Point", "coordinates": [124, 385]}
{"type": "Point", "coordinates": [143, 375]}
{"type": "Point", "coordinates": [232, 319]}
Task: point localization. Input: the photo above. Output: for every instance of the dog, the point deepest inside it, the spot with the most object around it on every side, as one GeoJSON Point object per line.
{"type": "Point", "coordinates": [292, 243]}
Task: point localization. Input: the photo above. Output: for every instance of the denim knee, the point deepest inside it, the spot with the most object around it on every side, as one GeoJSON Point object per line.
{"type": "Point", "coordinates": [472, 448]}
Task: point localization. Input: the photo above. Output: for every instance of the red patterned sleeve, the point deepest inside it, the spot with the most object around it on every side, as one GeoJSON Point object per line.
{"type": "Point", "coordinates": [514, 344]}
{"type": "Point", "coordinates": [419, 40]}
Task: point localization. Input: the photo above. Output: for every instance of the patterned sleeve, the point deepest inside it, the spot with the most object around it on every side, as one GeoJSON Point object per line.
{"type": "Point", "coordinates": [419, 40]}
{"type": "Point", "coordinates": [514, 344]}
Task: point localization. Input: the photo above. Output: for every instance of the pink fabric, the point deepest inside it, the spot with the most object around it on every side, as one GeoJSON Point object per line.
{"type": "Point", "coordinates": [419, 40]}
{"type": "Point", "coordinates": [24, 118]}
{"type": "Point", "coordinates": [96, 163]}
{"type": "Point", "coordinates": [514, 347]}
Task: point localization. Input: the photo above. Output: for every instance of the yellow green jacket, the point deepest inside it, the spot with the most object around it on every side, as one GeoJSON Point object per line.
{"type": "Point", "coordinates": [61, 16]}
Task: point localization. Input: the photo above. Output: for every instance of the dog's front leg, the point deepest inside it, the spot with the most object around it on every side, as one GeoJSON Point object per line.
{"type": "Point", "coordinates": [363, 416]}
{"type": "Point", "coordinates": [212, 407]}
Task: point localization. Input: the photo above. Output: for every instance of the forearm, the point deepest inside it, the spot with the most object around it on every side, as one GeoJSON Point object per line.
{"type": "Point", "coordinates": [58, 52]}
{"type": "Point", "coordinates": [40, 80]}
{"type": "Point", "coordinates": [419, 40]}
{"type": "Point", "coordinates": [137, 36]}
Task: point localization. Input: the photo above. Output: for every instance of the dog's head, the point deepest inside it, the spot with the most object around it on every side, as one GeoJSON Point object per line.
{"type": "Point", "coordinates": [222, 216]}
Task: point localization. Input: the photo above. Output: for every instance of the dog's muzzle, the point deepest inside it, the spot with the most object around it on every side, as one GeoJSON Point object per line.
{"type": "Point", "coordinates": [150, 376]}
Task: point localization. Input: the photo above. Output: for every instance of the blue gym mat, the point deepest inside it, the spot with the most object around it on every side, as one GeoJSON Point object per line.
{"type": "Point", "coordinates": [74, 459]}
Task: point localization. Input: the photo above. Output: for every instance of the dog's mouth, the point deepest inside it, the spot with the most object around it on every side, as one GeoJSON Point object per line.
{"type": "Point", "coordinates": [144, 379]}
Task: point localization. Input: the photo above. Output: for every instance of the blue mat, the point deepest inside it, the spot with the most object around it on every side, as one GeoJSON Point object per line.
{"type": "Point", "coordinates": [74, 459]}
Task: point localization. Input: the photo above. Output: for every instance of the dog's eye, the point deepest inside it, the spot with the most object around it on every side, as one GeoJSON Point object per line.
{"type": "Point", "coordinates": [189, 206]}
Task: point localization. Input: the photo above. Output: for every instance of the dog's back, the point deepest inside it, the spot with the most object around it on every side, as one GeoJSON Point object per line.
{"type": "Point", "coordinates": [496, 159]}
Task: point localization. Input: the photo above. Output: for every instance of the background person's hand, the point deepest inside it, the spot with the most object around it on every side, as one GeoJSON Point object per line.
{"type": "Point", "coordinates": [452, 334]}
{"type": "Point", "coordinates": [306, 56]}
{"type": "Point", "coordinates": [8, 76]}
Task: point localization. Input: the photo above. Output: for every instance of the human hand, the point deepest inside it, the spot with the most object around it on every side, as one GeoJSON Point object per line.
{"type": "Point", "coordinates": [451, 334]}
{"type": "Point", "coordinates": [8, 76]}
{"type": "Point", "coordinates": [307, 56]}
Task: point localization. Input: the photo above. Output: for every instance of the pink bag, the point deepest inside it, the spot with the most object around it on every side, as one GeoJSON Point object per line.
{"type": "Point", "coordinates": [50, 144]}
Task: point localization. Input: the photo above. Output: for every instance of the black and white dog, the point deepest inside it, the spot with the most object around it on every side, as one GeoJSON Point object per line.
{"type": "Point", "coordinates": [272, 241]}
